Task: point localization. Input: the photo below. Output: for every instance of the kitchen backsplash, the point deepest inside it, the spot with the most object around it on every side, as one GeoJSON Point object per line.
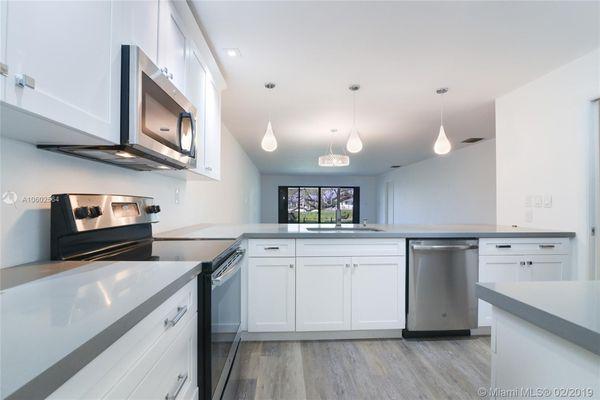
{"type": "Point", "coordinates": [30, 175]}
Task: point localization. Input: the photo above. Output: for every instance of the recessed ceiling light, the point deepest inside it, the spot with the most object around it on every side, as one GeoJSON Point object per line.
{"type": "Point", "coordinates": [233, 52]}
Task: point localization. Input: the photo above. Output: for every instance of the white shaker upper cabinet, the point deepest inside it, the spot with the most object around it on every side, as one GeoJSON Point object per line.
{"type": "Point", "coordinates": [141, 26]}
{"type": "Point", "coordinates": [60, 55]}
{"type": "Point", "coordinates": [171, 44]}
{"type": "Point", "coordinates": [196, 92]}
{"type": "Point", "coordinates": [212, 141]}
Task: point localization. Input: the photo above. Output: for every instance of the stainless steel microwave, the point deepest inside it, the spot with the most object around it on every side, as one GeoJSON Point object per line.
{"type": "Point", "coordinates": [157, 122]}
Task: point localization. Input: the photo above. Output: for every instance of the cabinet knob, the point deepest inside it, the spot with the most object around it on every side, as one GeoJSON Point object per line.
{"type": "Point", "coordinates": [529, 262]}
{"type": "Point", "coordinates": [355, 265]}
{"type": "Point", "coordinates": [347, 265]}
{"type": "Point", "coordinates": [291, 265]}
{"type": "Point", "coordinates": [522, 263]}
{"type": "Point", "coordinates": [23, 80]}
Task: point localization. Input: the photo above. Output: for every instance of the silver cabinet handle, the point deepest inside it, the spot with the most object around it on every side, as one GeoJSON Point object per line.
{"type": "Point", "coordinates": [181, 378]}
{"type": "Point", "coordinates": [3, 69]}
{"type": "Point", "coordinates": [444, 247]}
{"type": "Point", "coordinates": [355, 265]}
{"type": "Point", "coordinates": [272, 248]}
{"type": "Point", "coordinates": [180, 313]}
{"type": "Point", "coordinates": [503, 246]}
{"type": "Point", "coordinates": [547, 246]}
{"type": "Point", "coordinates": [291, 265]}
{"type": "Point", "coordinates": [347, 265]}
{"type": "Point", "coordinates": [23, 80]}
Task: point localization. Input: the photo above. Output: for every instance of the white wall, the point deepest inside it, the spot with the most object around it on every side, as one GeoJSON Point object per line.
{"type": "Point", "coordinates": [270, 184]}
{"type": "Point", "coordinates": [29, 171]}
{"type": "Point", "coordinates": [458, 188]}
{"type": "Point", "coordinates": [543, 133]}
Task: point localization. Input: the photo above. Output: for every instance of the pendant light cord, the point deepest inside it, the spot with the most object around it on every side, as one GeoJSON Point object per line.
{"type": "Point", "coordinates": [442, 110]}
{"type": "Point", "coordinates": [354, 109]}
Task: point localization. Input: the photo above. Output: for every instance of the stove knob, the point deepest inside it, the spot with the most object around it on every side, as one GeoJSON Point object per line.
{"type": "Point", "coordinates": [95, 212]}
{"type": "Point", "coordinates": [82, 212]}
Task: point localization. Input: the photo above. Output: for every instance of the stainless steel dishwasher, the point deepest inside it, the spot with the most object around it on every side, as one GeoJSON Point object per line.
{"type": "Point", "coordinates": [441, 287]}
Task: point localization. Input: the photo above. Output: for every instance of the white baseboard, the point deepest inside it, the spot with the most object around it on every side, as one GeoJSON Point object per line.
{"type": "Point", "coordinates": [338, 335]}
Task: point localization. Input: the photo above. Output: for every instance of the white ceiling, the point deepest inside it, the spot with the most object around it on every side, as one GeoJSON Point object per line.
{"type": "Point", "coordinates": [399, 52]}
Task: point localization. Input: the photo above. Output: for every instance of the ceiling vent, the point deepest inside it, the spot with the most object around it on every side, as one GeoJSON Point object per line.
{"type": "Point", "coordinates": [473, 140]}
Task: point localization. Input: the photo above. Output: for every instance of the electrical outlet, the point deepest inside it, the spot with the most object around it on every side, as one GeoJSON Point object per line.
{"type": "Point", "coordinates": [547, 201]}
{"type": "Point", "coordinates": [538, 201]}
{"type": "Point", "coordinates": [529, 215]}
{"type": "Point", "coordinates": [177, 196]}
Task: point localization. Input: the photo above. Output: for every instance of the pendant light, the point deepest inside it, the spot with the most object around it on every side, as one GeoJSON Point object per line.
{"type": "Point", "coordinates": [331, 159]}
{"type": "Point", "coordinates": [354, 143]}
{"type": "Point", "coordinates": [269, 142]}
{"type": "Point", "coordinates": [442, 144]}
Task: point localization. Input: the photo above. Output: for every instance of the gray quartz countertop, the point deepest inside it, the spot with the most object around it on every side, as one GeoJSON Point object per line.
{"type": "Point", "coordinates": [569, 309]}
{"type": "Point", "coordinates": [263, 231]}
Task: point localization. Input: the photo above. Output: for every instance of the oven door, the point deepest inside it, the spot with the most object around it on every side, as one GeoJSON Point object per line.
{"type": "Point", "coordinates": [156, 117]}
{"type": "Point", "coordinates": [226, 318]}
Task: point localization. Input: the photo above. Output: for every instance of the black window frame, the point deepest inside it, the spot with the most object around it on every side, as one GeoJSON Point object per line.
{"type": "Point", "coordinates": [282, 201]}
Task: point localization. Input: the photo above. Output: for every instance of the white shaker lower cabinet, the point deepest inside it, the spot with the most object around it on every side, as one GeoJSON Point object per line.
{"type": "Point", "coordinates": [323, 294]}
{"type": "Point", "coordinates": [520, 260]}
{"type": "Point", "coordinates": [378, 292]}
{"type": "Point", "coordinates": [271, 294]}
{"type": "Point", "coordinates": [154, 359]}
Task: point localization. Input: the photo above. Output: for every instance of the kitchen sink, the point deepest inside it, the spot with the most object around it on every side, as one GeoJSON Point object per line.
{"type": "Point", "coordinates": [345, 229]}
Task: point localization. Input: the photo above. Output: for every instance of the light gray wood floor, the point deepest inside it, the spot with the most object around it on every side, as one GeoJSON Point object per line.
{"type": "Point", "coordinates": [365, 369]}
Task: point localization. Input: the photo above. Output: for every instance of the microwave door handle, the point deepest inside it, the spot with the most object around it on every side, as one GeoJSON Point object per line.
{"type": "Point", "coordinates": [191, 152]}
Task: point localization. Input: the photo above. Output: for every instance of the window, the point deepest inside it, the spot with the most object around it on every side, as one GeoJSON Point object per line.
{"type": "Point", "coordinates": [317, 204]}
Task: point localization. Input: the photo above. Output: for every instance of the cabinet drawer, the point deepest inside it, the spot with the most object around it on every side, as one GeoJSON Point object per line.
{"type": "Point", "coordinates": [174, 375]}
{"type": "Point", "coordinates": [130, 355]}
{"type": "Point", "coordinates": [271, 248]}
{"type": "Point", "coordinates": [522, 246]}
{"type": "Point", "coordinates": [350, 247]}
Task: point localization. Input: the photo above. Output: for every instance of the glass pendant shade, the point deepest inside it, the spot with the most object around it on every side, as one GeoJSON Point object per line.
{"type": "Point", "coordinates": [354, 144]}
{"type": "Point", "coordinates": [334, 160]}
{"type": "Point", "coordinates": [269, 142]}
{"type": "Point", "coordinates": [442, 144]}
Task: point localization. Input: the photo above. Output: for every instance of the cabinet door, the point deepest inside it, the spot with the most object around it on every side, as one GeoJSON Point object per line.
{"type": "Point", "coordinates": [271, 294]}
{"type": "Point", "coordinates": [142, 22]}
{"type": "Point", "coordinates": [496, 269]}
{"type": "Point", "coordinates": [196, 92]}
{"type": "Point", "coordinates": [378, 289]}
{"type": "Point", "coordinates": [212, 141]}
{"type": "Point", "coordinates": [171, 44]}
{"type": "Point", "coordinates": [66, 47]}
{"type": "Point", "coordinates": [545, 268]}
{"type": "Point", "coordinates": [175, 372]}
{"type": "Point", "coordinates": [323, 294]}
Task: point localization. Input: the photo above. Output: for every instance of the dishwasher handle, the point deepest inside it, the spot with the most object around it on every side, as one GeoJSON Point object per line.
{"type": "Point", "coordinates": [442, 247]}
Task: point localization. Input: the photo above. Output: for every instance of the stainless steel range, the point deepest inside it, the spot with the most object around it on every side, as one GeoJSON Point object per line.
{"type": "Point", "coordinates": [116, 227]}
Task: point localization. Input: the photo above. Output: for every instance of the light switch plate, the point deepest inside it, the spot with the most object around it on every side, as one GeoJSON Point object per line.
{"type": "Point", "coordinates": [548, 201]}
{"type": "Point", "coordinates": [538, 201]}
{"type": "Point", "coordinates": [528, 201]}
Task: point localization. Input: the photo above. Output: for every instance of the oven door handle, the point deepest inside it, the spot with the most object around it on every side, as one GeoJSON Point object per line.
{"type": "Point", "coordinates": [233, 266]}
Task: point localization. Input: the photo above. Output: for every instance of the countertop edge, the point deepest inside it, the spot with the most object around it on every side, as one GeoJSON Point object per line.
{"type": "Point", "coordinates": [403, 235]}
{"type": "Point", "coordinates": [567, 330]}
{"type": "Point", "coordinates": [56, 375]}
